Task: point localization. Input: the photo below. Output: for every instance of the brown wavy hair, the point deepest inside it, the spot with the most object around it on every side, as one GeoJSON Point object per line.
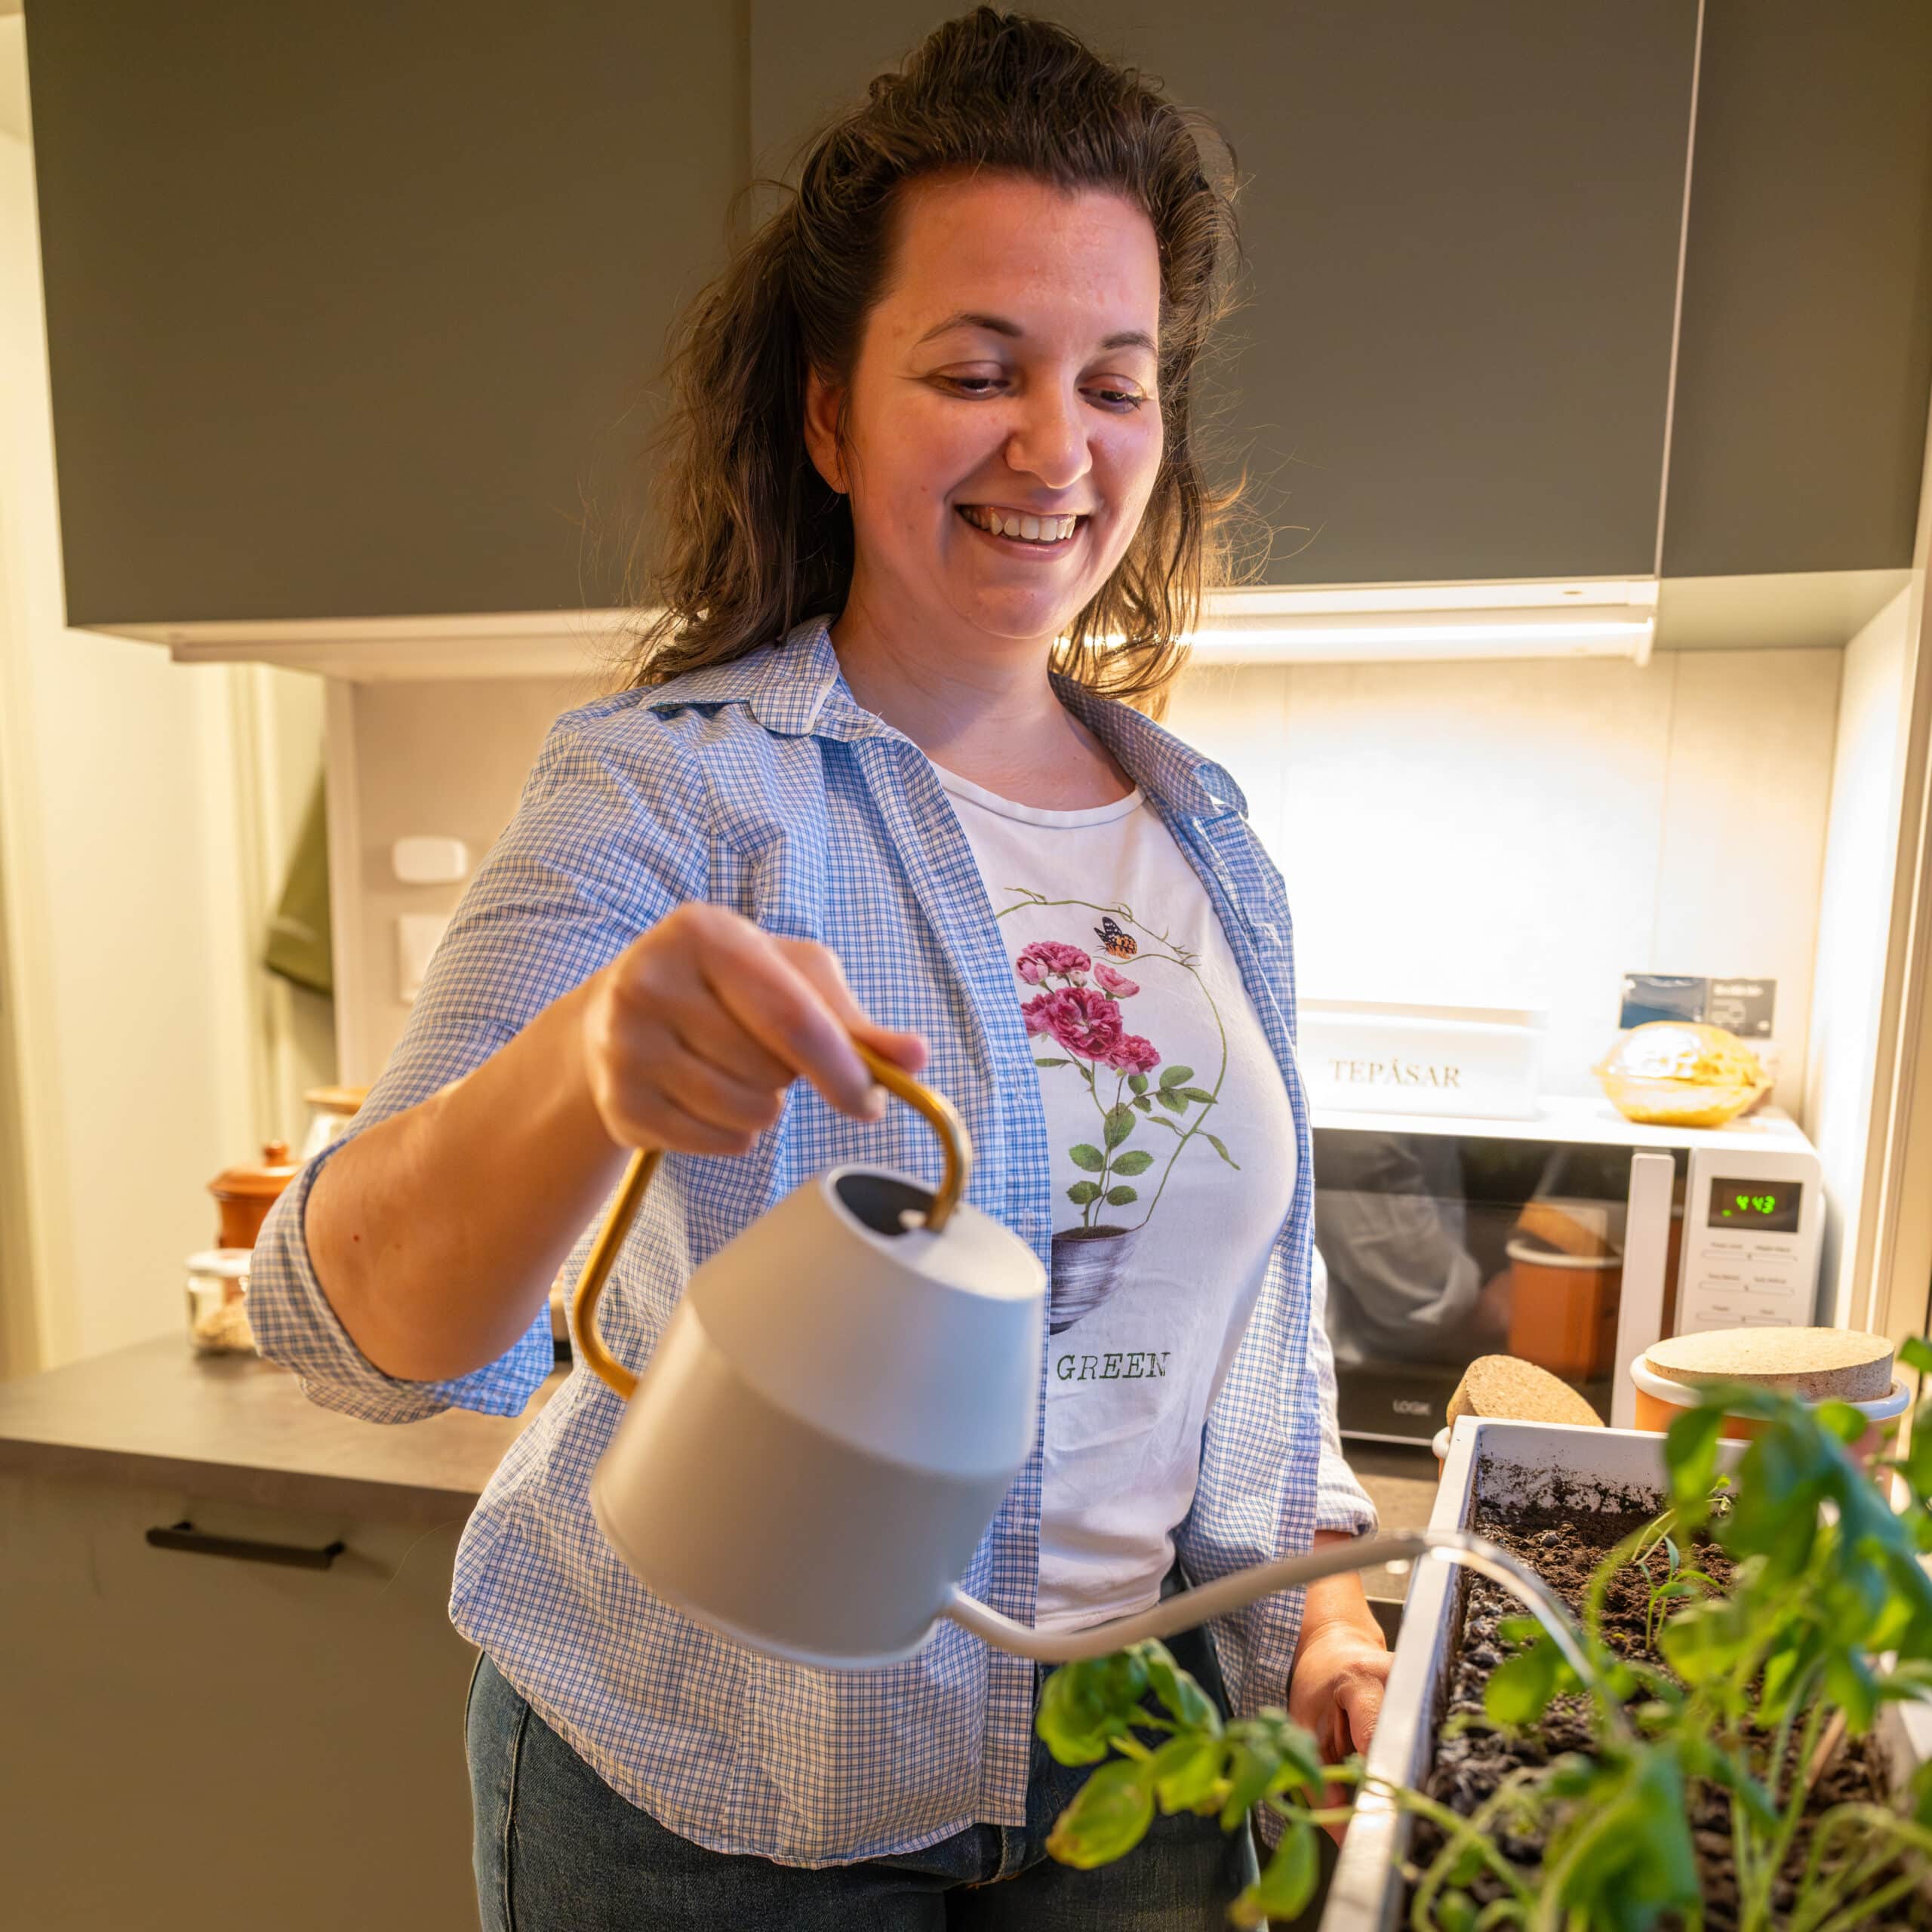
{"type": "Point", "coordinates": [745, 539]}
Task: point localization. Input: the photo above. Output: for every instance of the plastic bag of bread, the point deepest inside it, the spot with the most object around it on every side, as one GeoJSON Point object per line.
{"type": "Point", "coordinates": [1682, 1073]}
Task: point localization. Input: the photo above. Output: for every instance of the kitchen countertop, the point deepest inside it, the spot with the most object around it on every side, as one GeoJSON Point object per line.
{"type": "Point", "coordinates": [1401, 1481]}
{"type": "Point", "coordinates": [237, 1428]}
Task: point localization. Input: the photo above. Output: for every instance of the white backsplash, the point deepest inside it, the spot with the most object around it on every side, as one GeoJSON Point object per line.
{"type": "Point", "coordinates": [1524, 834]}
{"type": "Point", "coordinates": [1517, 834]}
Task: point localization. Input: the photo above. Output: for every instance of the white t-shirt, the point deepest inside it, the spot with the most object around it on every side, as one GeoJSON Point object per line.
{"type": "Point", "coordinates": [1173, 1164]}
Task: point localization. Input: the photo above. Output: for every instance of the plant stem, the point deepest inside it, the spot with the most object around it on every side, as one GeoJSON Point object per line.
{"type": "Point", "coordinates": [1872, 1818]}
{"type": "Point", "coordinates": [1864, 1911]}
{"type": "Point", "coordinates": [1460, 1831]}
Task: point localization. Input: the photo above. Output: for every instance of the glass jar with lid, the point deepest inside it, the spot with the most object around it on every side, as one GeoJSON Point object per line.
{"type": "Point", "coordinates": [217, 1286]}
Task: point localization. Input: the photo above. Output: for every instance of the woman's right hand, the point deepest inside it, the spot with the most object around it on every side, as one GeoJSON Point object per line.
{"type": "Point", "coordinates": [692, 1034]}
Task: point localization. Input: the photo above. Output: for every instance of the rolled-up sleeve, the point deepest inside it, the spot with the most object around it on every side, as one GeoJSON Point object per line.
{"type": "Point", "coordinates": [1340, 1501]}
{"type": "Point", "coordinates": [609, 836]}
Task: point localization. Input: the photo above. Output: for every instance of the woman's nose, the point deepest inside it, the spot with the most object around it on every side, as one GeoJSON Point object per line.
{"type": "Point", "coordinates": [1049, 440]}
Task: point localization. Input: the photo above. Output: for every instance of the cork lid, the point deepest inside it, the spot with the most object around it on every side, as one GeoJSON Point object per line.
{"type": "Point", "coordinates": [1506, 1388]}
{"type": "Point", "coordinates": [277, 1168]}
{"type": "Point", "coordinates": [1561, 1226]}
{"type": "Point", "coordinates": [342, 1101]}
{"type": "Point", "coordinates": [1817, 1364]}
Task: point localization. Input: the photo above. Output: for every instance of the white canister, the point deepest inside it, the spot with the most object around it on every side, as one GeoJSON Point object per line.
{"type": "Point", "coordinates": [1380, 1056]}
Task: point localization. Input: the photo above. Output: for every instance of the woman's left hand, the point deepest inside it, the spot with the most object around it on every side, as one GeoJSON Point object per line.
{"type": "Point", "coordinates": [1335, 1692]}
{"type": "Point", "coordinates": [1341, 1668]}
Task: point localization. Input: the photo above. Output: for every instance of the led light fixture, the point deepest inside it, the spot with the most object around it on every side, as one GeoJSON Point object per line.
{"type": "Point", "coordinates": [1368, 623]}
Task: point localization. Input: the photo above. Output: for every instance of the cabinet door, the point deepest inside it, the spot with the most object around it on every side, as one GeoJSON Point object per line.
{"type": "Point", "coordinates": [199, 1744]}
{"type": "Point", "coordinates": [1806, 356]}
{"type": "Point", "coordinates": [1462, 218]}
{"type": "Point", "coordinates": [351, 310]}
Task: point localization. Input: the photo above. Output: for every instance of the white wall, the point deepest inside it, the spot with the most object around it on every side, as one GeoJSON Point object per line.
{"type": "Point", "coordinates": [1854, 921]}
{"type": "Point", "coordinates": [131, 1070]}
{"type": "Point", "coordinates": [447, 759]}
{"type": "Point", "coordinates": [1464, 832]}
{"type": "Point", "coordinates": [1527, 833]}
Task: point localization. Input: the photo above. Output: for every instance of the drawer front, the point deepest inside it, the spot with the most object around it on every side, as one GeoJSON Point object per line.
{"type": "Point", "coordinates": [209, 1740]}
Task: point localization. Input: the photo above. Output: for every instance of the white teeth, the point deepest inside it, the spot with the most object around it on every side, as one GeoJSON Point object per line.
{"type": "Point", "coordinates": [1027, 529]}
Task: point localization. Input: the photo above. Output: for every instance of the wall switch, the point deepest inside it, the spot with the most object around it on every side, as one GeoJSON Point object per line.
{"type": "Point", "coordinates": [417, 936]}
{"type": "Point", "coordinates": [421, 860]}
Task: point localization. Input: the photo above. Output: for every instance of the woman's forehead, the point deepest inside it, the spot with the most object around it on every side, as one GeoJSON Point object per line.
{"type": "Point", "coordinates": [1044, 260]}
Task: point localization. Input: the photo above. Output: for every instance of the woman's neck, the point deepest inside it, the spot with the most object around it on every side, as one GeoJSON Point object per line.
{"type": "Point", "coordinates": [988, 713]}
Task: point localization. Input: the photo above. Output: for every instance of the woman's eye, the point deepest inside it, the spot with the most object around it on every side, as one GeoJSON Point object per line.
{"type": "Point", "coordinates": [970, 385]}
{"type": "Point", "coordinates": [1119, 399]}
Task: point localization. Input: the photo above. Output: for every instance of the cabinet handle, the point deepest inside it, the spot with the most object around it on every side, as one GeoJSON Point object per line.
{"type": "Point", "coordinates": [185, 1537]}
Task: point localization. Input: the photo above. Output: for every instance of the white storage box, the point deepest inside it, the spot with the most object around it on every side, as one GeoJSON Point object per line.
{"type": "Point", "coordinates": [1376, 1056]}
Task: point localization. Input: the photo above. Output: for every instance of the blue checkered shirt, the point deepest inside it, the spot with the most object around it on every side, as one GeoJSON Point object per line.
{"type": "Point", "coordinates": [762, 785]}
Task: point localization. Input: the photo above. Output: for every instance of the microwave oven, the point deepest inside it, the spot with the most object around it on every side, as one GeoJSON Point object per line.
{"type": "Point", "coordinates": [1574, 1239]}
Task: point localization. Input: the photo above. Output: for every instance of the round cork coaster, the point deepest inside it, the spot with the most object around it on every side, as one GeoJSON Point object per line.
{"type": "Point", "coordinates": [1817, 1364]}
{"type": "Point", "coordinates": [1506, 1388]}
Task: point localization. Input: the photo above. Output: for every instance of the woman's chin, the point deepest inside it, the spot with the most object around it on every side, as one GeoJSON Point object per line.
{"type": "Point", "coordinates": [1023, 617]}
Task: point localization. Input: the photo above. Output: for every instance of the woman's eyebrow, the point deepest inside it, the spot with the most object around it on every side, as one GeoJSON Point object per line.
{"type": "Point", "coordinates": [968, 318]}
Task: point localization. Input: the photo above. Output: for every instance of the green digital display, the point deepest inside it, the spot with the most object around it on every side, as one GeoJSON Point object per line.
{"type": "Point", "coordinates": [1769, 1207]}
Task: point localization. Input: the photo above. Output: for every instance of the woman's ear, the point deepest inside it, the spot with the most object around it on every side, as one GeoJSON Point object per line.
{"type": "Point", "coordinates": [825, 404]}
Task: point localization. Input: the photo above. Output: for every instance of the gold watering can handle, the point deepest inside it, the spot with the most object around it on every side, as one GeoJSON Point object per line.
{"type": "Point", "coordinates": [936, 1107]}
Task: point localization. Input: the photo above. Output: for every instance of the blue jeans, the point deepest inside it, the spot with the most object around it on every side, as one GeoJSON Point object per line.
{"type": "Point", "coordinates": [558, 1850]}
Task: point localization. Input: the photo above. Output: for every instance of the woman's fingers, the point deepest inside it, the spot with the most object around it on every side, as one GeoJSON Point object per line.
{"type": "Point", "coordinates": [648, 1116]}
{"type": "Point", "coordinates": [718, 1018]}
{"type": "Point", "coordinates": [784, 1012]}
{"type": "Point", "coordinates": [821, 967]}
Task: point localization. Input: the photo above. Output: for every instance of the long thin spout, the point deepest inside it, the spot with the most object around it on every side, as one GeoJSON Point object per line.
{"type": "Point", "coordinates": [1235, 1592]}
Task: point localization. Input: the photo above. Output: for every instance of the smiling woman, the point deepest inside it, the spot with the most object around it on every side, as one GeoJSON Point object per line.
{"type": "Point", "coordinates": [1009, 226]}
{"type": "Point", "coordinates": [930, 506]}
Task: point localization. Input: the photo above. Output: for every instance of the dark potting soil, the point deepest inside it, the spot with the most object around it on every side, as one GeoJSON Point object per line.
{"type": "Point", "coordinates": [1563, 1544]}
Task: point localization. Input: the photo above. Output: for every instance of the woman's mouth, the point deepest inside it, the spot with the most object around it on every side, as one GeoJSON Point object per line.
{"type": "Point", "coordinates": [1021, 527]}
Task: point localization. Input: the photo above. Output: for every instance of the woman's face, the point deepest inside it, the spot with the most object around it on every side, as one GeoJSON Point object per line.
{"type": "Point", "coordinates": [1002, 433]}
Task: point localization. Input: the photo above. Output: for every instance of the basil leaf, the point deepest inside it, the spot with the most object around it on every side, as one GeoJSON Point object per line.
{"type": "Point", "coordinates": [1108, 1819]}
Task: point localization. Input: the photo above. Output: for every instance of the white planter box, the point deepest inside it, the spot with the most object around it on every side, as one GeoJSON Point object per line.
{"type": "Point", "coordinates": [1491, 1463]}
{"type": "Point", "coordinates": [1371, 1056]}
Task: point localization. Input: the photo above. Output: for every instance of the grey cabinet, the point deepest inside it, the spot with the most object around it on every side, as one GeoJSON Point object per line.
{"type": "Point", "coordinates": [1463, 219]}
{"type": "Point", "coordinates": [350, 310]}
{"type": "Point", "coordinates": [1806, 352]}
{"type": "Point", "coordinates": [353, 312]}
{"type": "Point", "coordinates": [199, 1744]}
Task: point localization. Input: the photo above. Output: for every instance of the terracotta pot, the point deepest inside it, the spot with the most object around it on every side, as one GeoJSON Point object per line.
{"type": "Point", "coordinates": [1563, 1309]}
{"type": "Point", "coordinates": [244, 1194]}
{"type": "Point", "coordinates": [1660, 1400]}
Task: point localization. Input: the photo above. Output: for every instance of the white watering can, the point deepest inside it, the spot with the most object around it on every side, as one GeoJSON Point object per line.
{"type": "Point", "coordinates": [836, 1409]}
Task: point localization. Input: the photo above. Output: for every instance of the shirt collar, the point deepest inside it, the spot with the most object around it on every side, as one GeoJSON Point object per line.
{"type": "Point", "coordinates": [792, 687]}
{"type": "Point", "coordinates": [795, 688]}
{"type": "Point", "coordinates": [1156, 761]}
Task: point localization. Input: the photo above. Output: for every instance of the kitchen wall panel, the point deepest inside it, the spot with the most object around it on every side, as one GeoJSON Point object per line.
{"type": "Point", "coordinates": [1487, 833]}
{"type": "Point", "coordinates": [1462, 218]}
{"type": "Point", "coordinates": [445, 759]}
{"type": "Point", "coordinates": [1854, 938]}
{"type": "Point", "coordinates": [1527, 833]}
{"type": "Point", "coordinates": [1748, 796]}
{"type": "Point", "coordinates": [350, 309]}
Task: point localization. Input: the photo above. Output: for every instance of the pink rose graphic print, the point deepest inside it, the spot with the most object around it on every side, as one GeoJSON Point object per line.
{"type": "Point", "coordinates": [1078, 1019]}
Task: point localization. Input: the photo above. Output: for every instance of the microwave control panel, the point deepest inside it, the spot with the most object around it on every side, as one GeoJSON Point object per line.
{"type": "Point", "coordinates": [1752, 1226]}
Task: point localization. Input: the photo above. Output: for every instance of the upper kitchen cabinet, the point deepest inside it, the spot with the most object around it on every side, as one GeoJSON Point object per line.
{"type": "Point", "coordinates": [1805, 351]}
{"type": "Point", "coordinates": [1462, 219]}
{"type": "Point", "coordinates": [349, 308]}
